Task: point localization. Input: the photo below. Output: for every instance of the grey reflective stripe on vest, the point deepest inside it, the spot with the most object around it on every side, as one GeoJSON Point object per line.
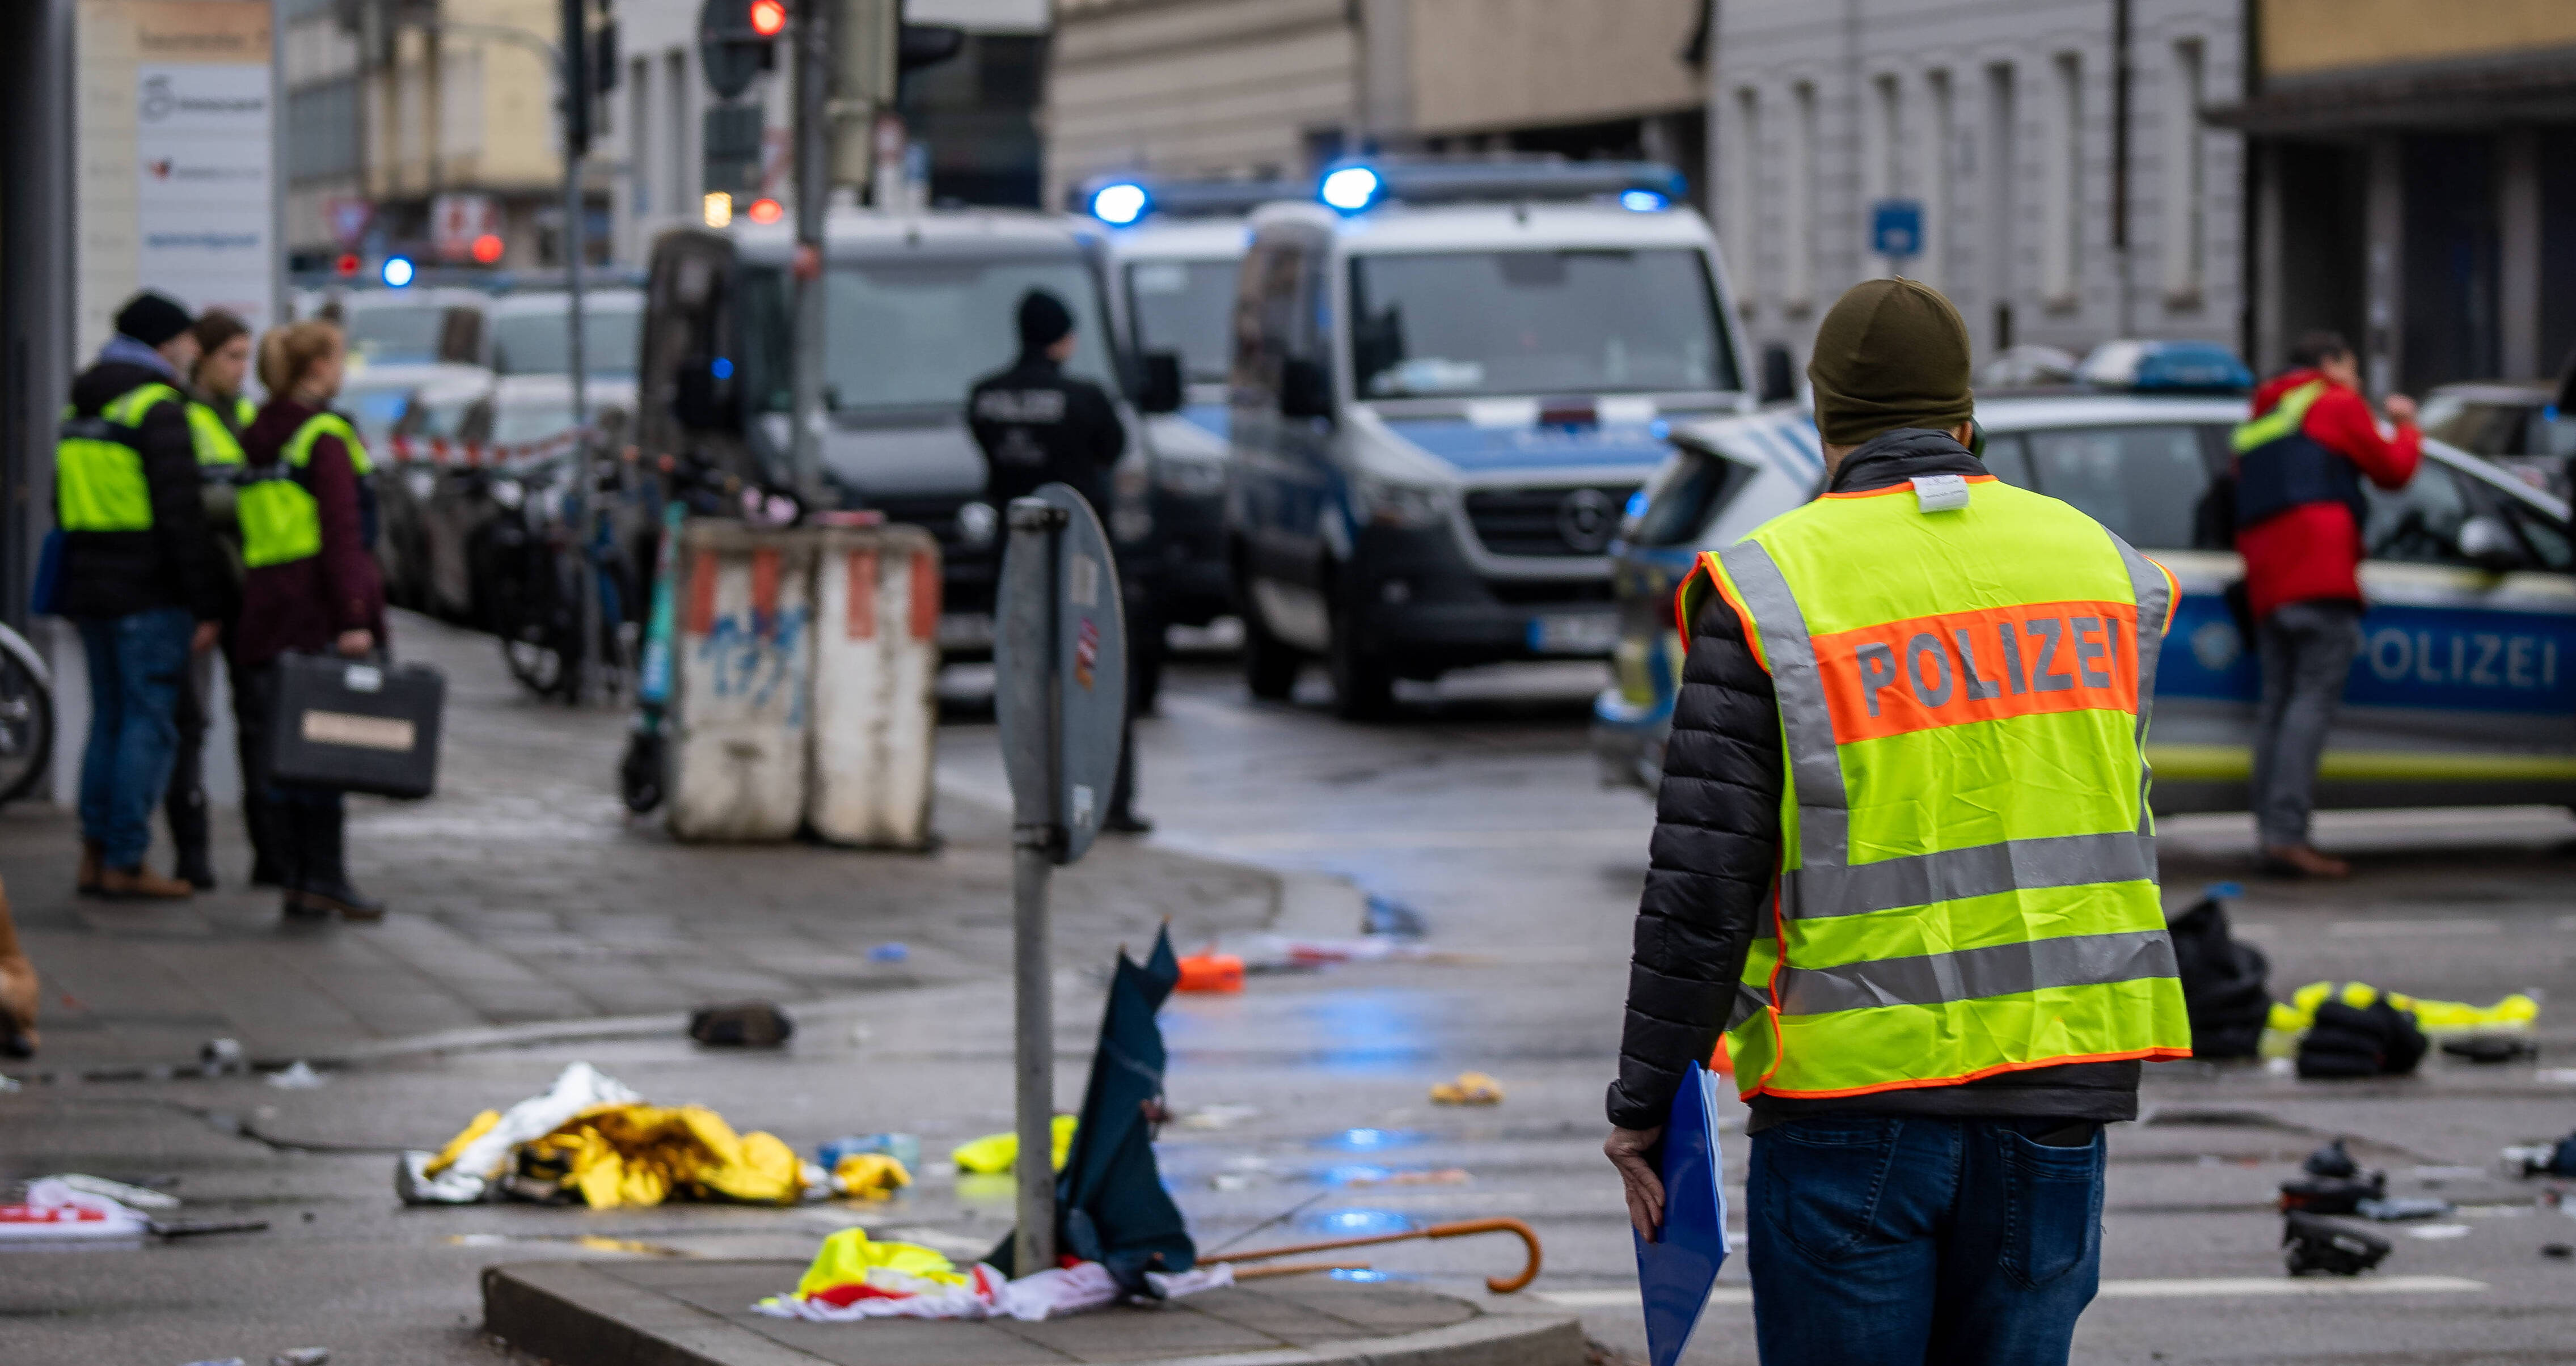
{"type": "Point", "coordinates": [1824, 815]}
{"type": "Point", "coordinates": [1973, 974]}
{"type": "Point", "coordinates": [2155, 604]}
{"type": "Point", "coordinates": [1749, 1002]}
{"type": "Point", "coordinates": [1957, 874]}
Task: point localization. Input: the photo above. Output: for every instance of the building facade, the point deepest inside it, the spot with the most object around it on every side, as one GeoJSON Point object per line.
{"type": "Point", "coordinates": [2414, 177]}
{"type": "Point", "coordinates": [1278, 87]}
{"type": "Point", "coordinates": [2054, 208]}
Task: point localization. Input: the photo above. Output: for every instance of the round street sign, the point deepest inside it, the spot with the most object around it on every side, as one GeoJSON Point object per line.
{"type": "Point", "coordinates": [1089, 667]}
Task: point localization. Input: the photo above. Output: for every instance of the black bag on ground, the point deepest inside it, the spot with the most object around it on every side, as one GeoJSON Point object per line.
{"type": "Point", "coordinates": [2377, 1040]}
{"type": "Point", "coordinates": [2223, 981]}
{"type": "Point", "coordinates": [743, 1024]}
{"type": "Point", "coordinates": [356, 725]}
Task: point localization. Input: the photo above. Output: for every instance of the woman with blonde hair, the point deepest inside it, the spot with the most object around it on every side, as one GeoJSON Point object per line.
{"type": "Point", "coordinates": [307, 517]}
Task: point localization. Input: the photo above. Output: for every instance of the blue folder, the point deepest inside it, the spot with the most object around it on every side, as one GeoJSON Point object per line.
{"type": "Point", "coordinates": [1676, 1271]}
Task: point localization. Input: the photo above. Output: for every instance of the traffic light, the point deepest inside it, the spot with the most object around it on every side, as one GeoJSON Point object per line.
{"type": "Point", "coordinates": [737, 40]}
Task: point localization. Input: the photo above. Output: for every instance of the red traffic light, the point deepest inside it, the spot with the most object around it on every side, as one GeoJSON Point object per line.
{"type": "Point", "coordinates": [765, 210]}
{"type": "Point", "coordinates": [348, 263]}
{"type": "Point", "coordinates": [768, 17]}
{"type": "Point", "coordinates": [486, 248]}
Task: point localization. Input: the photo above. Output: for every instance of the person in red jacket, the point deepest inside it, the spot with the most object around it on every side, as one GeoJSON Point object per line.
{"type": "Point", "coordinates": [2300, 462]}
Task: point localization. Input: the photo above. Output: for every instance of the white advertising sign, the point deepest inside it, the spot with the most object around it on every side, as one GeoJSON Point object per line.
{"type": "Point", "coordinates": [202, 213]}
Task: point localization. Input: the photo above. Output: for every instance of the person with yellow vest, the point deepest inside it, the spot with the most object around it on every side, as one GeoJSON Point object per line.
{"type": "Point", "coordinates": [218, 412]}
{"type": "Point", "coordinates": [133, 544]}
{"type": "Point", "coordinates": [311, 587]}
{"type": "Point", "coordinates": [1903, 863]}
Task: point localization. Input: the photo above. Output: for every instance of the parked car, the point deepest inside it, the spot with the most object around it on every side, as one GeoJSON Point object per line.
{"type": "Point", "coordinates": [2527, 428]}
{"type": "Point", "coordinates": [530, 334]}
{"type": "Point", "coordinates": [2465, 691]}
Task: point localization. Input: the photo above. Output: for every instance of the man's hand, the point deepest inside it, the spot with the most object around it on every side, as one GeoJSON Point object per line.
{"type": "Point", "coordinates": [356, 643]}
{"type": "Point", "coordinates": [1627, 1149]}
{"type": "Point", "coordinates": [208, 632]}
{"type": "Point", "coordinates": [2400, 408]}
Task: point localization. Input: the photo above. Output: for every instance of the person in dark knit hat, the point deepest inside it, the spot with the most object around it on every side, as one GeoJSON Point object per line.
{"type": "Point", "coordinates": [1925, 1155]}
{"type": "Point", "coordinates": [130, 577]}
{"type": "Point", "coordinates": [1038, 425]}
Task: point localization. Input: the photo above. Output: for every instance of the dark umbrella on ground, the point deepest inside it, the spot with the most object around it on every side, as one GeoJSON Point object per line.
{"type": "Point", "coordinates": [1111, 1207]}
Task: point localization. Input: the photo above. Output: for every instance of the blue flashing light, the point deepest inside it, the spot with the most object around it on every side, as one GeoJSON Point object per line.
{"type": "Point", "coordinates": [1636, 505]}
{"type": "Point", "coordinates": [721, 368]}
{"type": "Point", "coordinates": [1643, 201]}
{"type": "Point", "coordinates": [398, 271]}
{"type": "Point", "coordinates": [1120, 204]}
{"type": "Point", "coordinates": [1350, 189]}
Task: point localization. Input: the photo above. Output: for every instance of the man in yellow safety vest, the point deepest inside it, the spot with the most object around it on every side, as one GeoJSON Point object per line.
{"type": "Point", "coordinates": [131, 577]}
{"type": "Point", "coordinates": [1903, 861]}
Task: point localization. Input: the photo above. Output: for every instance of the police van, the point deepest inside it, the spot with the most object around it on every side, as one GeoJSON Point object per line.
{"type": "Point", "coordinates": [1175, 250]}
{"type": "Point", "coordinates": [1448, 378]}
{"type": "Point", "coordinates": [2465, 689]}
{"type": "Point", "coordinates": [917, 307]}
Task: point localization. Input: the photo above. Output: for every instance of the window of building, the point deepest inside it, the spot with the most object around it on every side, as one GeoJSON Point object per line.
{"type": "Point", "coordinates": [322, 130]}
{"type": "Point", "coordinates": [2000, 194]}
{"type": "Point", "coordinates": [639, 135]}
{"type": "Point", "coordinates": [1933, 156]}
{"type": "Point", "coordinates": [1882, 148]}
{"type": "Point", "coordinates": [679, 187]}
{"type": "Point", "coordinates": [2061, 184]}
{"type": "Point", "coordinates": [1798, 206]}
{"type": "Point", "coordinates": [2186, 187]}
{"type": "Point", "coordinates": [1743, 191]}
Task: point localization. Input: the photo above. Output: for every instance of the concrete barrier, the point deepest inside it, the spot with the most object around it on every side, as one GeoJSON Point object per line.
{"type": "Point", "coordinates": [876, 676]}
{"type": "Point", "coordinates": [742, 682]}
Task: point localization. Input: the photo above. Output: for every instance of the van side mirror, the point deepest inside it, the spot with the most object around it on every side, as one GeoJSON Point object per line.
{"type": "Point", "coordinates": [2488, 543]}
{"type": "Point", "coordinates": [700, 400]}
{"type": "Point", "coordinates": [1162, 391]}
{"type": "Point", "coordinates": [1779, 377]}
{"type": "Point", "coordinates": [1304, 391]}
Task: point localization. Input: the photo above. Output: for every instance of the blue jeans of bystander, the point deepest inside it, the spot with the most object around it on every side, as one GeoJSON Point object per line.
{"type": "Point", "coordinates": [1898, 1242]}
{"type": "Point", "coordinates": [136, 663]}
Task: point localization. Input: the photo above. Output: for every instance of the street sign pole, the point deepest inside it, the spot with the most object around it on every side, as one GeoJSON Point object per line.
{"type": "Point", "coordinates": [1060, 694]}
{"type": "Point", "coordinates": [813, 153]}
{"type": "Point", "coordinates": [574, 53]}
{"type": "Point", "coordinates": [1025, 703]}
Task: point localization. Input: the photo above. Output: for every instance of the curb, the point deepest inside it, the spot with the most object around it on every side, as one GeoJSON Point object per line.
{"type": "Point", "coordinates": [575, 1314]}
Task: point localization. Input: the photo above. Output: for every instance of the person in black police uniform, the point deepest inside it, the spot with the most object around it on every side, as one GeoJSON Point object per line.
{"type": "Point", "coordinates": [1038, 425]}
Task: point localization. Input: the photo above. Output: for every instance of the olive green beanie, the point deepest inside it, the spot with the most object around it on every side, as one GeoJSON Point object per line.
{"type": "Point", "coordinates": [1891, 353]}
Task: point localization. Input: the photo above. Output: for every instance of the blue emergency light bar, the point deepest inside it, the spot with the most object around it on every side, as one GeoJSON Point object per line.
{"type": "Point", "coordinates": [1121, 200]}
{"type": "Point", "coordinates": [1640, 186]}
{"type": "Point", "coordinates": [2171, 367]}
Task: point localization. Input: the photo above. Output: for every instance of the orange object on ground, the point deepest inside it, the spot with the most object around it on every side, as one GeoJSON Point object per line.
{"type": "Point", "coordinates": [1211, 972]}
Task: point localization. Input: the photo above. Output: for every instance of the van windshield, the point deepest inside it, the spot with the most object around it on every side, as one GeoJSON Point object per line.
{"type": "Point", "coordinates": [397, 334]}
{"type": "Point", "coordinates": [1575, 321]}
{"type": "Point", "coordinates": [1187, 307]}
{"type": "Point", "coordinates": [541, 343]}
{"type": "Point", "coordinates": [916, 334]}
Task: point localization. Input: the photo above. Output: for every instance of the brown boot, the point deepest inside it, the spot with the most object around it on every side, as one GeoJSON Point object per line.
{"type": "Point", "coordinates": [141, 884]}
{"type": "Point", "coordinates": [93, 862]}
{"type": "Point", "coordinates": [2303, 860]}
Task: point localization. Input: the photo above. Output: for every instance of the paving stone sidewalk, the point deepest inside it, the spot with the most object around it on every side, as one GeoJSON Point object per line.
{"type": "Point", "coordinates": [523, 892]}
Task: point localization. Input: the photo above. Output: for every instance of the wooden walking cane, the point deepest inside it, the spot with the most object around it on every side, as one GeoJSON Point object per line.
{"type": "Point", "coordinates": [1500, 1285]}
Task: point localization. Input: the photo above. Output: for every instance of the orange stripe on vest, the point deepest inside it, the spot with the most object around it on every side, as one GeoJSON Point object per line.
{"type": "Point", "coordinates": [1955, 667]}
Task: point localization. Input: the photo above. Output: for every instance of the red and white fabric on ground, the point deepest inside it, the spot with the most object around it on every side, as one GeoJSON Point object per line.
{"type": "Point", "coordinates": [54, 1210]}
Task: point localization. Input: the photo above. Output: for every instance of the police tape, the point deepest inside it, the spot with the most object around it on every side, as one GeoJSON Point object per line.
{"type": "Point", "coordinates": [438, 450]}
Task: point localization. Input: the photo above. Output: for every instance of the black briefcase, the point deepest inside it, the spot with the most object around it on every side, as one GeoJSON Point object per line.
{"type": "Point", "coordinates": [356, 725]}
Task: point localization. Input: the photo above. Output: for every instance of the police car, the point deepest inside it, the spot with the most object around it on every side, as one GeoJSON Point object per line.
{"type": "Point", "coordinates": [1175, 250]}
{"type": "Point", "coordinates": [2465, 691]}
{"type": "Point", "coordinates": [1448, 378]}
{"type": "Point", "coordinates": [916, 306]}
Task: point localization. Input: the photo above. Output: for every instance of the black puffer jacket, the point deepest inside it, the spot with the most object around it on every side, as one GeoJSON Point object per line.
{"type": "Point", "coordinates": [1716, 851]}
{"type": "Point", "coordinates": [117, 573]}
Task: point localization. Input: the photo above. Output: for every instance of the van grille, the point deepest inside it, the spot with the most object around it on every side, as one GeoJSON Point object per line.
{"type": "Point", "coordinates": [1558, 521]}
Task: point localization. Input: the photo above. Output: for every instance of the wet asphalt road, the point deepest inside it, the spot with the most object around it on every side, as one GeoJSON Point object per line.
{"type": "Point", "coordinates": [1479, 808]}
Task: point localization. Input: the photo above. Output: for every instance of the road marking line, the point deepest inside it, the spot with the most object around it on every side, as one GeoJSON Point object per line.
{"type": "Point", "coordinates": [2402, 927]}
{"type": "Point", "coordinates": [2156, 1289]}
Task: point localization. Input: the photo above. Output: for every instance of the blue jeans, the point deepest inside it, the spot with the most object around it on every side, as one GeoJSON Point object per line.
{"type": "Point", "coordinates": [1897, 1242]}
{"type": "Point", "coordinates": [136, 665]}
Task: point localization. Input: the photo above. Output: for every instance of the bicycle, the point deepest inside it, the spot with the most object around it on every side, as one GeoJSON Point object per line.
{"type": "Point", "coordinates": [26, 716]}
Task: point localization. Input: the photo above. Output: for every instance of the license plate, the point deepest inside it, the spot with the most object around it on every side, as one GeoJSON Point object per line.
{"type": "Point", "coordinates": [1574, 633]}
{"type": "Point", "coordinates": [961, 630]}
